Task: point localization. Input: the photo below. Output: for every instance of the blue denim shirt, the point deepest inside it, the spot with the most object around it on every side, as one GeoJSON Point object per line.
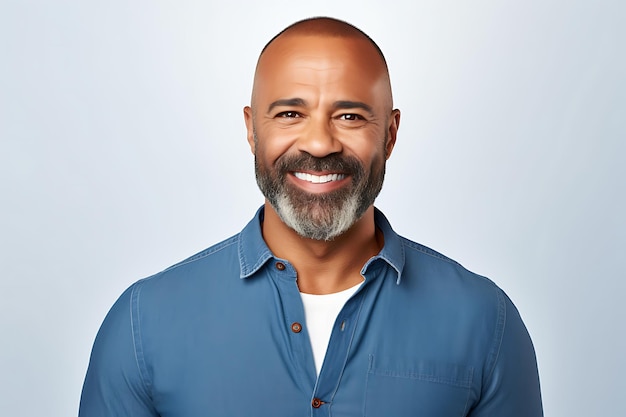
{"type": "Point", "coordinates": [223, 333]}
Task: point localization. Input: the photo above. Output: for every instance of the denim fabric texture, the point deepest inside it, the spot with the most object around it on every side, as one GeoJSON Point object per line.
{"type": "Point", "coordinates": [223, 333]}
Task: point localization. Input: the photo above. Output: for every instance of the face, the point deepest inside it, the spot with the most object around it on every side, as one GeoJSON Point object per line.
{"type": "Point", "coordinates": [321, 128]}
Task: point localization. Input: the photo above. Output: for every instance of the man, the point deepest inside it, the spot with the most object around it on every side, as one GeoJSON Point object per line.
{"type": "Point", "coordinates": [317, 307]}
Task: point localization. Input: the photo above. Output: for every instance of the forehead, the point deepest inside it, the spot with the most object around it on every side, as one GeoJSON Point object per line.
{"type": "Point", "coordinates": [328, 63]}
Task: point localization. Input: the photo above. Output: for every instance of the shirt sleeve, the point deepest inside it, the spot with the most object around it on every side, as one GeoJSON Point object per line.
{"type": "Point", "coordinates": [115, 384]}
{"type": "Point", "coordinates": [511, 387]}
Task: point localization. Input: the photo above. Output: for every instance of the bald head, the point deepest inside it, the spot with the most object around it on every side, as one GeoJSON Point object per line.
{"type": "Point", "coordinates": [325, 26]}
{"type": "Point", "coordinates": [327, 39]}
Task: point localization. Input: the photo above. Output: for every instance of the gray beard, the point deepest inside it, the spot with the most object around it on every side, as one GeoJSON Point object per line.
{"type": "Point", "coordinates": [325, 224]}
{"type": "Point", "coordinates": [319, 216]}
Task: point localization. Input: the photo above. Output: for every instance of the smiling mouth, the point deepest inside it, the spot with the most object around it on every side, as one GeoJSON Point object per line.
{"type": "Point", "coordinates": [318, 179]}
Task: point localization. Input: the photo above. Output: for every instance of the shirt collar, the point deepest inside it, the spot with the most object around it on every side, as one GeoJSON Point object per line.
{"type": "Point", "coordinates": [393, 250]}
{"type": "Point", "coordinates": [254, 253]}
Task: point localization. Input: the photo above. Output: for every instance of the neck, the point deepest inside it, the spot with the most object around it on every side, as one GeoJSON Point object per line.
{"type": "Point", "coordinates": [324, 267]}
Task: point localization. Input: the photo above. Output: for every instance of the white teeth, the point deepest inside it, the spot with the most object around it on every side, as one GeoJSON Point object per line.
{"type": "Point", "coordinates": [319, 179]}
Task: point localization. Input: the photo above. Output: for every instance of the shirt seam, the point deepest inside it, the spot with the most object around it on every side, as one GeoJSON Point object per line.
{"type": "Point", "coordinates": [469, 392]}
{"type": "Point", "coordinates": [206, 252]}
{"type": "Point", "coordinates": [427, 251]}
{"type": "Point", "coordinates": [137, 342]}
{"type": "Point", "coordinates": [494, 353]}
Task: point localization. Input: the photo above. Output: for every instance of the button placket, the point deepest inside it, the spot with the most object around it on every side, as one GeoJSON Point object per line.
{"type": "Point", "coordinates": [285, 277]}
{"type": "Point", "coordinates": [339, 348]}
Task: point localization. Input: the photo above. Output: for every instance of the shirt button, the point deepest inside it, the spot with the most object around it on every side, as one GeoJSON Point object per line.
{"type": "Point", "coordinates": [296, 327]}
{"type": "Point", "coordinates": [317, 403]}
{"type": "Point", "coordinates": [280, 266]}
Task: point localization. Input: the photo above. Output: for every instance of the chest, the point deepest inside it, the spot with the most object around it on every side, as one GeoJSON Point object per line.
{"type": "Point", "coordinates": [243, 358]}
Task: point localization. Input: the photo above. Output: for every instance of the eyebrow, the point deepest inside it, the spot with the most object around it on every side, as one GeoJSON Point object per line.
{"type": "Point", "coordinates": [287, 102]}
{"type": "Point", "coordinates": [344, 104]}
{"type": "Point", "coordinates": [341, 104]}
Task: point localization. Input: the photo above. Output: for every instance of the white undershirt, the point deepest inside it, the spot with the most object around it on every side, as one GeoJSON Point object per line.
{"type": "Point", "coordinates": [320, 312]}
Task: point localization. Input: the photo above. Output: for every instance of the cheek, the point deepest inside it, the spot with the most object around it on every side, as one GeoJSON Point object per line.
{"type": "Point", "coordinates": [369, 148]}
{"type": "Point", "coordinates": [271, 144]}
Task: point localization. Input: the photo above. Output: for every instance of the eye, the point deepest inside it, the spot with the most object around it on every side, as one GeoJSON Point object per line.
{"type": "Point", "coordinates": [351, 117]}
{"type": "Point", "coordinates": [288, 114]}
{"type": "Point", "coordinates": [350, 120]}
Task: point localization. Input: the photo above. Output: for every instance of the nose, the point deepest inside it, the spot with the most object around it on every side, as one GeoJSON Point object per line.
{"type": "Point", "coordinates": [318, 140]}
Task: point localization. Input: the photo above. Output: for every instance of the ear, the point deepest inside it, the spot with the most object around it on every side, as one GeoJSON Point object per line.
{"type": "Point", "coordinates": [247, 116]}
{"type": "Point", "coordinates": [392, 133]}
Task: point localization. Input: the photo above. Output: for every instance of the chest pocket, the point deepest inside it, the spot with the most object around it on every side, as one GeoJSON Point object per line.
{"type": "Point", "coordinates": [400, 388]}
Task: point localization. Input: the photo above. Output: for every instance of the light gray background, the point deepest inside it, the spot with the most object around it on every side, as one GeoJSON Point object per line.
{"type": "Point", "coordinates": [123, 151]}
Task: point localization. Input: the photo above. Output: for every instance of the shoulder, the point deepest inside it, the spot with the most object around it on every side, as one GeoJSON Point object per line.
{"type": "Point", "coordinates": [426, 265]}
{"type": "Point", "coordinates": [436, 286]}
{"type": "Point", "coordinates": [216, 252]}
{"type": "Point", "coordinates": [198, 271]}
{"type": "Point", "coordinates": [419, 249]}
{"type": "Point", "coordinates": [424, 270]}
{"type": "Point", "coordinates": [469, 321]}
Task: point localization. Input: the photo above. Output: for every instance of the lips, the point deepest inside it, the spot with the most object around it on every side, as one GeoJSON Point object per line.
{"type": "Point", "coordinates": [318, 179]}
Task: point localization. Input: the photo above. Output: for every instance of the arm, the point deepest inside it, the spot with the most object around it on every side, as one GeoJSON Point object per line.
{"type": "Point", "coordinates": [511, 387]}
{"type": "Point", "coordinates": [115, 384]}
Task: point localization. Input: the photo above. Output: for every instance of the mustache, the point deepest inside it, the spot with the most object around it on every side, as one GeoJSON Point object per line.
{"type": "Point", "coordinates": [305, 162]}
